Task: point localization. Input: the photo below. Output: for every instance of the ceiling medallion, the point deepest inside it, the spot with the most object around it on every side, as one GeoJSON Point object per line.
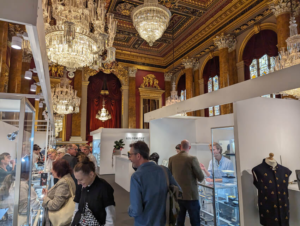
{"type": "Point", "coordinates": [125, 9]}
{"type": "Point", "coordinates": [78, 39]}
{"type": "Point", "coordinates": [151, 20]}
{"type": "Point", "coordinates": [65, 100]}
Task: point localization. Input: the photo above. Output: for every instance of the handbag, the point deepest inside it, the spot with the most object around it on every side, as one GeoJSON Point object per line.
{"type": "Point", "coordinates": [64, 215]}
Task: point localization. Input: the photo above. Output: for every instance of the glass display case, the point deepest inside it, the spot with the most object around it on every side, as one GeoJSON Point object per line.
{"type": "Point", "coordinates": [96, 150]}
{"type": "Point", "coordinates": [218, 193]}
{"type": "Point", "coordinates": [16, 136]}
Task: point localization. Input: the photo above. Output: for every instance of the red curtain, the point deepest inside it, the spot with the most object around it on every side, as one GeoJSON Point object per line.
{"type": "Point", "coordinates": [95, 101]}
{"type": "Point", "coordinates": [212, 68]}
{"type": "Point", "coordinates": [260, 44]}
{"type": "Point", "coordinates": [181, 85]}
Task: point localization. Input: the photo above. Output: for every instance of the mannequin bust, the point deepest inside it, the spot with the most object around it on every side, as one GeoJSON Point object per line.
{"type": "Point", "coordinates": [270, 161]}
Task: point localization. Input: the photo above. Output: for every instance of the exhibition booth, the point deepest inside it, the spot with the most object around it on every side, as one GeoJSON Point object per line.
{"type": "Point", "coordinates": [113, 159]}
{"type": "Point", "coordinates": [258, 126]}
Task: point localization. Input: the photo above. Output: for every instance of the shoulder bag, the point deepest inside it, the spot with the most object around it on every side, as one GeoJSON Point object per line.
{"type": "Point", "coordinates": [64, 215]}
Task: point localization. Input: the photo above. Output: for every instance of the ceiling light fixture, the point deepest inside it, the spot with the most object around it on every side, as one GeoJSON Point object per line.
{"type": "Point", "coordinates": [151, 20]}
{"type": "Point", "coordinates": [79, 39]}
{"type": "Point", "coordinates": [103, 115]}
{"type": "Point", "coordinates": [65, 100]}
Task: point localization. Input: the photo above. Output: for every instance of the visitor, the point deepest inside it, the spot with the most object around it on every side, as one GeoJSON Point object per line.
{"type": "Point", "coordinates": [5, 160]}
{"type": "Point", "coordinates": [177, 148]}
{"type": "Point", "coordinates": [154, 157]}
{"type": "Point", "coordinates": [51, 158]}
{"type": "Point", "coordinates": [186, 171]}
{"type": "Point", "coordinates": [96, 195]}
{"type": "Point", "coordinates": [220, 163]}
{"type": "Point", "coordinates": [86, 150]}
{"type": "Point", "coordinates": [60, 153]}
{"type": "Point", "coordinates": [58, 195]}
{"type": "Point", "coordinates": [81, 156]}
{"type": "Point", "coordinates": [148, 188]}
{"type": "Point", "coordinates": [71, 154]}
{"type": "Point", "coordinates": [35, 156]}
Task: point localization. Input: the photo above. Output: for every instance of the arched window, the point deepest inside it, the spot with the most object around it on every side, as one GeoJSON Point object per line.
{"type": "Point", "coordinates": [213, 85]}
{"type": "Point", "coordinates": [261, 67]}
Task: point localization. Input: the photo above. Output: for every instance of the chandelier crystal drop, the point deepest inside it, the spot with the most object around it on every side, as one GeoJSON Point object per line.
{"type": "Point", "coordinates": [103, 115]}
{"type": "Point", "coordinates": [151, 20]}
{"type": "Point", "coordinates": [65, 100]}
{"type": "Point", "coordinates": [79, 39]}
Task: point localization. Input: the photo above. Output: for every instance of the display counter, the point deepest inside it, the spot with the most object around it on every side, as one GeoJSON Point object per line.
{"type": "Point", "coordinates": [123, 172]}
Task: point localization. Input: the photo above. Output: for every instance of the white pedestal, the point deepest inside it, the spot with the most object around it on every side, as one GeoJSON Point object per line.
{"type": "Point", "coordinates": [123, 172]}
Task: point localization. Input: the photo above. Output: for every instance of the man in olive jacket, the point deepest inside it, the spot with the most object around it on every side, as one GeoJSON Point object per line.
{"type": "Point", "coordinates": [186, 171]}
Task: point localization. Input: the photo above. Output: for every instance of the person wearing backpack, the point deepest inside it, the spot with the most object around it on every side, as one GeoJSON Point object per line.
{"type": "Point", "coordinates": [148, 188]}
{"type": "Point", "coordinates": [186, 171]}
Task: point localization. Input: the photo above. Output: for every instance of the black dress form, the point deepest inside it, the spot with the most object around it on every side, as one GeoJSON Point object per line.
{"type": "Point", "coordinates": [273, 194]}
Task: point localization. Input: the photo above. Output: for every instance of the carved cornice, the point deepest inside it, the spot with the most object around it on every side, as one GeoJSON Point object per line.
{"type": "Point", "coordinates": [188, 62]}
{"type": "Point", "coordinates": [279, 7]}
{"type": "Point", "coordinates": [225, 41]}
{"type": "Point", "coordinates": [168, 76]}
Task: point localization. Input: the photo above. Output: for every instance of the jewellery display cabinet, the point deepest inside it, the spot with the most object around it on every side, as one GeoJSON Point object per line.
{"type": "Point", "coordinates": [218, 193]}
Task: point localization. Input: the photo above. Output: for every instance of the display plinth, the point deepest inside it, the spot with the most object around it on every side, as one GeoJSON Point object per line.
{"type": "Point", "coordinates": [123, 172]}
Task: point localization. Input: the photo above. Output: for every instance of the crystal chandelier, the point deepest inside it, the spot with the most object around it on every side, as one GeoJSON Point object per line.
{"type": "Point", "coordinates": [58, 123]}
{"type": "Point", "coordinates": [173, 99]}
{"type": "Point", "coordinates": [291, 56]}
{"type": "Point", "coordinates": [79, 39]}
{"type": "Point", "coordinates": [65, 100]}
{"type": "Point", "coordinates": [151, 20]}
{"type": "Point", "coordinates": [103, 115]}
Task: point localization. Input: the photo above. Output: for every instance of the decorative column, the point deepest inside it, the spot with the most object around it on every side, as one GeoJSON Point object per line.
{"type": "Point", "coordinates": [84, 96]}
{"type": "Point", "coordinates": [233, 78]}
{"type": "Point", "coordinates": [241, 71]}
{"type": "Point", "coordinates": [297, 17]}
{"type": "Point", "coordinates": [168, 85]}
{"type": "Point", "coordinates": [188, 64]}
{"type": "Point", "coordinates": [202, 91]}
{"type": "Point", "coordinates": [27, 57]}
{"type": "Point", "coordinates": [132, 98]}
{"type": "Point", "coordinates": [76, 118]}
{"type": "Point", "coordinates": [15, 70]}
{"type": "Point", "coordinates": [196, 83]}
{"type": "Point", "coordinates": [125, 98]}
{"type": "Point", "coordinates": [224, 42]}
{"type": "Point", "coordinates": [4, 70]}
{"type": "Point", "coordinates": [281, 10]}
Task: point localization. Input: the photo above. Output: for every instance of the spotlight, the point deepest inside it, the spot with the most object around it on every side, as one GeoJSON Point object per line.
{"type": "Point", "coordinates": [41, 105]}
{"type": "Point", "coordinates": [33, 88]}
{"type": "Point", "coordinates": [16, 42]}
{"type": "Point", "coordinates": [37, 98]}
{"type": "Point", "coordinates": [28, 75]}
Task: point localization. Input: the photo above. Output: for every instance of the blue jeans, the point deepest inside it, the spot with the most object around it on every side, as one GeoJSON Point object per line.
{"type": "Point", "coordinates": [193, 208]}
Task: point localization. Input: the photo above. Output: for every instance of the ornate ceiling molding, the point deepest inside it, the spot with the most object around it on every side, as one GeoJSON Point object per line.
{"type": "Point", "coordinates": [188, 62]}
{"type": "Point", "coordinates": [280, 7]}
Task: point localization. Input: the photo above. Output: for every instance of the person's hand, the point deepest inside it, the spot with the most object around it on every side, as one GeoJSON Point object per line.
{"type": "Point", "coordinates": [40, 172]}
{"type": "Point", "coordinates": [13, 162]}
{"type": "Point", "coordinates": [209, 179]}
{"type": "Point", "coordinates": [202, 166]}
{"type": "Point", "coordinates": [45, 192]}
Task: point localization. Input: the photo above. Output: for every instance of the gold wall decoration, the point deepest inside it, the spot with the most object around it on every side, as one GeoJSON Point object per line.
{"type": "Point", "coordinates": [150, 81]}
{"type": "Point", "coordinates": [125, 9]}
{"type": "Point", "coordinates": [56, 70]}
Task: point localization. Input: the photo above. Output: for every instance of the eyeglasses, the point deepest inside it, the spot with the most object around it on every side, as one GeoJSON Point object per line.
{"type": "Point", "coordinates": [130, 154]}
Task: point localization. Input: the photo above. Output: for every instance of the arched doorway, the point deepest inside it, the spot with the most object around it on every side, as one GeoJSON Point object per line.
{"type": "Point", "coordinates": [113, 102]}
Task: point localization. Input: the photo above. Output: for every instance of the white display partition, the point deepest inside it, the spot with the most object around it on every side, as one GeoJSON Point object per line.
{"type": "Point", "coordinates": [166, 133]}
{"type": "Point", "coordinates": [264, 125]}
{"type": "Point", "coordinates": [107, 138]}
{"type": "Point", "coordinates": [40, 139]}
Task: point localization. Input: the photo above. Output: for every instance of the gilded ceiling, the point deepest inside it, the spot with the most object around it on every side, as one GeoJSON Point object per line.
{"type": "Point", "coordinates": [187, 17]}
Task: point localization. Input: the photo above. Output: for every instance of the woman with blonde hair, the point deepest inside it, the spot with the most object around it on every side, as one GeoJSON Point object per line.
{"type": "Point", "coordinates": [51, 158]}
